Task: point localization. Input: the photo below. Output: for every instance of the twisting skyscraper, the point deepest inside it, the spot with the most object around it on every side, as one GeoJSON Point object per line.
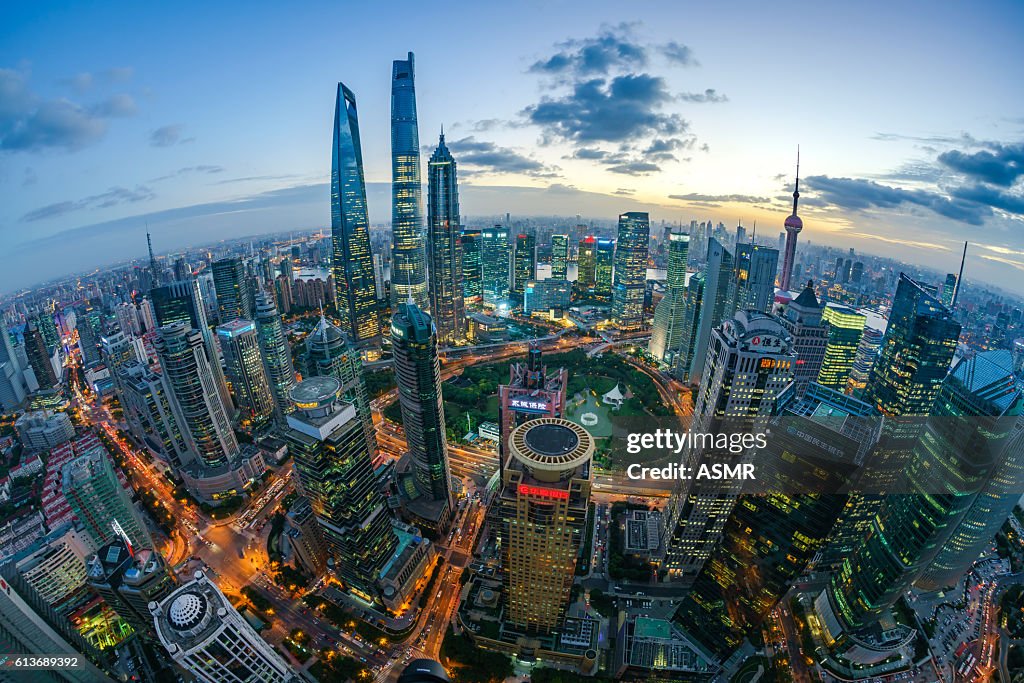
{"type": "Point", "coordinates": [277, 355]}
{"type": "Point", "coordinates": [443, 234]}
{"type": "Point", "coordinates": [350, 228]}
{"type": "Point", "coordinates": [408, 262]}
{"type": "Point", "coordinates": [793, 226]}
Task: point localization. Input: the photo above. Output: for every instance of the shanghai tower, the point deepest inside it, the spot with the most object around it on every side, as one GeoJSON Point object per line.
{"type": "Point", "coordinates": [350, 228]}
{"type": "Point", "coordinates": [408, 264]}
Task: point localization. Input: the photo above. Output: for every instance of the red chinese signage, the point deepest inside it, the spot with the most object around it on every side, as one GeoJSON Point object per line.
{"type": "Point", "coordinates": [525, 490]}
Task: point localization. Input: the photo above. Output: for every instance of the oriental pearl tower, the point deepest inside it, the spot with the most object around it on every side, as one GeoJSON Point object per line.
{"type": "Point", "coordinates": [793, 226]}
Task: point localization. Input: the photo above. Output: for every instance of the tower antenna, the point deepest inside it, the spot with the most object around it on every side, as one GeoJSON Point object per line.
{"type": "Point", "coordinates": [956, 288]}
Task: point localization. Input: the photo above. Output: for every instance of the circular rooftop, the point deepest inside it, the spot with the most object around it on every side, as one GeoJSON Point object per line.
{"type": "Point", "coordinates": [551, 446]}
{"type": "Point", "coordinates": [315, 392]}
{"type": "Point", "coordinates": [187, 610]}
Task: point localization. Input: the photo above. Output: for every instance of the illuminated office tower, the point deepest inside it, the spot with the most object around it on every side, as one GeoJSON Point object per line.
{"type": "Point", "coordinates": [38, 358]}
{"type": "Point", "coordinates": [408, 249]}
{"type": "Point", "coordinates": [750, 361]}
{"type": "Point", "coordinates": [418, 376]}
{"type": "Point", "coordinates": [559, 257]}
{"type": "Point", "coordinates": [525, 260]}
{"type": "Point", "coordinates": [951, 463]}
{"type": "Point", "coordinates": [773, 533]}
{"type": "Point", "coordinates": [845, 327]}
{"type": "Point", "coordinates": [494, 265]}
{"type": "Point", "coordinates": [545, 296]}
{"type": "Point", "coordinates": [542, 506]}
{"type": "Point", "coordinates": [447, 307]}
{"type": "Point", "coordinates": [630, 278]}
{"type": "Point", "coordinates": [987, 513]}
{"type": "Point", "coordinates": [207, 637]}
{"type": "Point", "coordinates": [233, 289]}
{"type": "Point", "coordinates": [604, 265]}
{"type": "Point", "coordinates": [89, 325]}
{"type": "Point", "coordinates": [48, 328]}
{"type": "Point", "coordinates": [793, 226]}
{"type": "Point", "coordinates": [29, 626]}
{"type": "Point", "coordinates": [667, 333]}
{"type": "Point", "coordinates": [682, 357]}
{"type": "Point", "coordinates": [147, 409]}
{"type": "Point", "coordinates": [246, 375]}
{"type": "Point", "coordinates": [98, 499]}
{"type": "Point", "coordinates": [128, 579]}
{"type": "Point", "coordinates": [182, 302]}
{"type": "Point", "coordinates": [949, 289]}
{"type": "Point", "coordinates": [586, 263]}
{"type": "Point", "coordinates": [863, 361]}
{"type": "Point", "coordinates": [915, 353]}
{"type": "Point", "coordinates": [188, 380]}
{"type": "Point", "coordinates": [276, 353]}
{"type": "Point", "coordinates": [719, 291]}
{"type": "Point", "coordinates": [330, 354]}
{"type": "Point", "coordinates": [335, 471]}
{"type": "Point", "coordinates": [803, 320]}
{"type": "Point", "coordinates": [755, 267]}
{"type": "Point", "coordinates": [472, 273]}
{"type": "Point", "coordinates": [352, 260]}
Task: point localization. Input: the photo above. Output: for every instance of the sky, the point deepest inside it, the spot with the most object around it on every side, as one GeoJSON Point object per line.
{"type": "Point", "coordinates": [213, 121]}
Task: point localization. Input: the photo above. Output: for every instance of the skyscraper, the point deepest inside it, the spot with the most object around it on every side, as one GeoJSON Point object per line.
{"type": "Point", "coordinates": [277, 355]}
{"type": "Point", "coordinates": [559, 257]}
{"type": "Point", "coordinates": [793, 227]}
{"type": "Point", "coordinates": [98, 499]}
{"type": "Point", "coordinates": [352, 260]}
{"type": "Point", "coordinates": [604, 264]}
{"type": "Point", "coordinates": [750, 360]}
{"type": "Point", "coordinates": [234, 290]}
{"type": "Point", "coordinates": [544, 296]}
{"type": "Point", "coordinates": [682, 358]}
{"type": "Point", "coordinates": [586, 258]}
{"type": "Point", "coordinates": [418, 376]}
{"type": "Point", "coordinates": [863, 361]}
{"type": "Point", "coordinates": [525, 259]}
{"type": "Point", "coordinates": [89, 326]}
{"type": "Point", "coordinates": [38, 358]}
{"type": "Point", "coordinates": [667, 333]}
{"type": "Point", "coordinates": [189, 382]}
{"type": "Point", "coordinates": [803, 320]}
{"type": "Point", "coordinates": [128, 578]}
{"type": "Point", "coordinates": [329, 353]}
{"type": "Point", "coordinates": [542, 509]}
{"type": "Point", "coordinates": [915, 354]}
{"type": "Point", "coordinates": [719, 292]}
{"type": "Point", "coordinates": [494, 265]}
{"type": "Point", "coordinates": [948, 289]}
{"type": "Point", "coordinates": [630, 276]}
{"type": "Point", "coordinates": [245, 372]}
{"type": "Point", "coordinates": [755, 268]}
{"type": "Point", "coordinates": [443, 235]}
{"type": "Point", "coordinates": [206, 636]}
{"type": "Point", "coordinates": [472, 275]}
{"type": "Point", "coordinates": [147, 409]}
{"type": "Point", "coordinates": [408, 255]}
{"type": "Point", "coordinates": [976, 408]}
{"type": "Point", "coordinates": [845, 328]}
{"type": "Point", "coordinates": [335, 470]}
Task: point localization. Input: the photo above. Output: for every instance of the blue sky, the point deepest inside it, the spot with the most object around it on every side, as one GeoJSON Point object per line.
{"type": "Point", "coordinates": [213, 120]}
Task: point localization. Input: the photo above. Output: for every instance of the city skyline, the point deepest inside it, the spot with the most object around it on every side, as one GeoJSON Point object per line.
{"type": "Point", "coordinates": [909, 179]}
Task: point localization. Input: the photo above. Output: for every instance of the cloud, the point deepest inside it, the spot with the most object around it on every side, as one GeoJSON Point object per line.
{"type": "Point", "coordinates": [489, 157]}
{"type": "Point", "coordinates": [589, 153]}
{"type": "Point", "coordinates": [104, 200]}
{"type": "Point", "coordinates": [677, 53]}
{"type": "Point", "coordinates": [901, 242]}
{"type": "Point", "coordinates": [622, 109]}
{"type": "Point", "coordinates": [624, 192]}
{"type": "Point", "coordinates": [29, 122]}
{"type": "Point", "coordinates": [997, 199]}
{"type": "Point", "coordinates": [635, 168]}
{"type": "Point", "coordinates": [168, 136]}
{"type": "Point", "coordinates": [119, 74]}
{"type": "Point", "coordinates": [709, 95]}
{"type": "Point", "coordinates": [998, 165]}
{"type": "Point", "coordinates": [613, 48]}
{"type": "Point", "coordinates": [860, 195]}
{"type": "Point", "coordinates": [80, 83]}
{"type": "Point", "coordinates": [190, 170]}
{"type": "Point", "coordinates": [29, 178]}
{"type": "Point", "coordinates": [733, 198]}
